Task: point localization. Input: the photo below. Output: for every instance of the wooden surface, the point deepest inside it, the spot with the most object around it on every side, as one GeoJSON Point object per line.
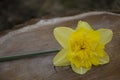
{"type": "Point", "coordinates": [39, 36]}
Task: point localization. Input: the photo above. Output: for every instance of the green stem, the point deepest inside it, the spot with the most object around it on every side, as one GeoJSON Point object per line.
{"type": "Point", "coordinates": [21, 56]}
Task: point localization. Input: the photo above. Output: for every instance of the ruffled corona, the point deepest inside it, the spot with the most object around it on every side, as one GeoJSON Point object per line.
{"type": "Point", "coordinates": [82, 48]}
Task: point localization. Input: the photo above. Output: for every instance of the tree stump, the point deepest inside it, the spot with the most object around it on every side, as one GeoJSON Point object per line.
{"type": "Point", "coordinates": [39, 37]}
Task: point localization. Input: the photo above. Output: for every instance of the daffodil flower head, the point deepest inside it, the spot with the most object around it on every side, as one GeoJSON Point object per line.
{"type": "Point", "coordinates": [82, 47]}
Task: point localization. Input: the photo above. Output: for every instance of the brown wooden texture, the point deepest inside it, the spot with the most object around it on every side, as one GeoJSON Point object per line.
{"type": "Point", "coordinates": [39, 36]}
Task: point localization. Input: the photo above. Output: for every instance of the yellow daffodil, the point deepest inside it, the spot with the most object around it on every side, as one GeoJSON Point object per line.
{"type": "Point", "coordinates": [82, 47]}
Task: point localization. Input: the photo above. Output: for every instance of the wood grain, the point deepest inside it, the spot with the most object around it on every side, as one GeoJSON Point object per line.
{"type": "Point", "coordinates": [37, 37]}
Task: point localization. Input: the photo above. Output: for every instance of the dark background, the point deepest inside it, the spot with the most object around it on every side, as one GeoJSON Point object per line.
{"type": "Point", "coordinates": [15, 12]}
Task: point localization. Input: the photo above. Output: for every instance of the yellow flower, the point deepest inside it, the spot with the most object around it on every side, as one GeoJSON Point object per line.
{"type": "Point", "coordinates": [82, 47]}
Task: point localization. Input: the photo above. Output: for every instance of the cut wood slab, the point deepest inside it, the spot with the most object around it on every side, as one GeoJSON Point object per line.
{"type": "Point", "coordinates": [39, 37]}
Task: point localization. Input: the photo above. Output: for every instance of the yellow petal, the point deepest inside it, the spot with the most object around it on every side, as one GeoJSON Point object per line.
{"type": "Point", "coordinates": [106, 35]}
{"type": "Point", "coordinates": [85, 25]}
{"type": "Point", "coordinates": [80, 70]}
{"type": "Point", "coordinates": [104, 59]}
{"type": "Point", "coordinates": [62, 34]}
{"type": "Point", "coordinates": [60, 59]}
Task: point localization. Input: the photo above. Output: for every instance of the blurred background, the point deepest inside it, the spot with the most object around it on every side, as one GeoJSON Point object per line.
{"type": "Point", "coordinates": [16, 12]}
